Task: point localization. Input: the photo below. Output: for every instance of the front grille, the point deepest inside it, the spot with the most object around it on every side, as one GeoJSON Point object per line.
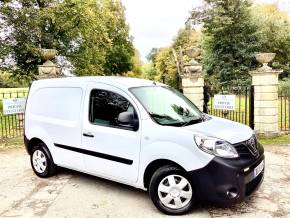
{"type": "Point", "coordinates": [251, 186]}
{"type": "Point", "coordinates": [243, 151]}
{"type": "Point", "coordinates": [248, 148]}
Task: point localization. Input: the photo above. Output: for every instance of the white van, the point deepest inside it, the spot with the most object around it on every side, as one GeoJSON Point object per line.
{"type": "Point", "coordinates": [144, 134]}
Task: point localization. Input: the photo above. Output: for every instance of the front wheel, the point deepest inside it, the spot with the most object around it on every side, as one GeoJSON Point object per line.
{"type": "Point", "coordinates": [171, 191]}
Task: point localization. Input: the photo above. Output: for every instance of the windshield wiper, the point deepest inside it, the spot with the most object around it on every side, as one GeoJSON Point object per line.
{"type": "Point", "coordinates": [168, 118]}
{"type": "Point", "coordinates": [162, 116]}
{"type": "Point", "coordinates": [202, 118]}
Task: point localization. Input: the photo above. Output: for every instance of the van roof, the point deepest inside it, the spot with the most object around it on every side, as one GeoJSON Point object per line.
{"type": "Point", "coordinates": [126, 82]}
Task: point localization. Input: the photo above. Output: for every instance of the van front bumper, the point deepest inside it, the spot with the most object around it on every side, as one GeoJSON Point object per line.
{"type": "Point", "coordinates": [224, 182]}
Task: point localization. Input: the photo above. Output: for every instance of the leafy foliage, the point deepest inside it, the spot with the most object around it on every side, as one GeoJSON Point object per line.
{"type": "Point", "coordinates": [233, 32]}
{"type": "Point", "coordinates": [230, 40]}
{"type": "Point", "coordinates": [166, 70]}
{"type": "Point", "coordinates": [274, 34]}
{"type": "Point", "coordinates": [137, 64]}
{"type": "Point", "coordinates": [163, 65]}
{"type": "Point", "coordinates": [186, 38]}
{"type": "Point", "coordinates": [92, 35]}
{"type": "Point", "coordinates": [8, 81]}
{"type": "Point", "coordinates": [152, 55]}
{"type": "Point", "coordinates": [284, 86]}
{"type": "Point", "coordinates": [148, 71]}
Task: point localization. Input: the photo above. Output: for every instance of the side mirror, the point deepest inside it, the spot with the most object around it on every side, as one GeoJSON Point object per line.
{"type": "Point", "coordinates": [127, 119]}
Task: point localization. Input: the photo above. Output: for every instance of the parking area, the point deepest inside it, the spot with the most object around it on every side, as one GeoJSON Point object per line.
{"type": "Point", "coordinates": [72, 194]}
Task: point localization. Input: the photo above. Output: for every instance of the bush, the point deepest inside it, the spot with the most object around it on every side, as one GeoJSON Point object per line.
{"type": "Point", "coordinates": [284, 86]}
{"type": "Point", "coordinates": [8, 81]}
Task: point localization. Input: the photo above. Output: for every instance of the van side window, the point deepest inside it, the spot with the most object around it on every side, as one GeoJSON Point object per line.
{"type": "Point", "coordinates": [105, 106]}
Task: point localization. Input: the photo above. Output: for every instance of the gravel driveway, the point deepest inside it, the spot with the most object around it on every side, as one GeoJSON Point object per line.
{"type": "Point", "coordinates": [72, 194]}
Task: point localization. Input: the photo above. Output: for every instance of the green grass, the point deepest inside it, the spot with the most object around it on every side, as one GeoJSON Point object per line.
{"type": "Point", "coordinates": [279, 140]}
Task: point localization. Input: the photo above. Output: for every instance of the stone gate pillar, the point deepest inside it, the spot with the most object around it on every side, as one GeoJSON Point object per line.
{"type": "Point", "coordinates": [48, 69]}
{"type": "Point", "coordinates": [265, 82]}
{"type": "Point", "coordinates": [191, 75]}
{"type": "Point", "coordinates": [192, 84]}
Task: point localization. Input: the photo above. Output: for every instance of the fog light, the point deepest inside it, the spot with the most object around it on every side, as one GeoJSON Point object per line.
{"type": "Point", "coordinates": [232, 193]}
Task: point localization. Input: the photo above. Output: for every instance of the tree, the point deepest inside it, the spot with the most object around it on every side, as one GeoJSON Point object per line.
{"type": "Point", "coordinates": [7, 81]}
{"type": "Point", "coordinates": [137, 63]}
{"type": "Point", "coordinates": [230, 40]}
{"type": "Point", "coordinates": [149, 71]}
{"type": "Point", "coordinates": [137, 70]}
{"type": "Point", "coordinates": [120, 54]}
{"type": "Point", "coordinates": [83, 35]}
{"type": "Point", "coordinates": [92, 35]}
{"type": "Point", "coordinates": [152, 55]}
{"type": "Point", "coordinates": [165, 66]}
{"type": "Point", "coordinates": [186, 38]}
{"type": "Point", "coordinates": [274, 29]}
{"type": "Point", "coordinates": [163, 62]}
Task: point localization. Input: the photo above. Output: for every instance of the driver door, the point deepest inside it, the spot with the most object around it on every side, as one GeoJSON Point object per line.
{"type": "Point", "coordinates": [110, 150]}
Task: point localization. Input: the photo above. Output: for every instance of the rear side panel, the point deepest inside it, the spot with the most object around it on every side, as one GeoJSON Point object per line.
{"type": "Point", "coordinates": [53, 116]}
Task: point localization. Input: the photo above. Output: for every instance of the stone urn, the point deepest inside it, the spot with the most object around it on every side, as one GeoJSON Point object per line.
{"type": "Point", "coordinates": [192, 52]}
{"type": "Point", "coordinates": [47, 54]}
{"type": "Point", "coordinates": [48, 69]}
{"type": "Point", "coordinates": [192, 67]}
{"type": "Point", "coordinates": [265, 58]}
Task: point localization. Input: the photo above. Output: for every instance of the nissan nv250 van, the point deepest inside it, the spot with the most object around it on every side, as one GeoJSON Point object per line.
{"type": "Point", "coordinates": [143, 134]}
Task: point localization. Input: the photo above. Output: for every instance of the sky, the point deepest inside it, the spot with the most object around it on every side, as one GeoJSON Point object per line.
{"type": "Point", "coordinates": [154, 23]}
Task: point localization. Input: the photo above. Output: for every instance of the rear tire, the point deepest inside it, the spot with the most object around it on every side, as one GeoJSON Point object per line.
{"type": "Point", "coordinates": [42, 162]}
{"type": "Point", "coordinates": [171, 190]}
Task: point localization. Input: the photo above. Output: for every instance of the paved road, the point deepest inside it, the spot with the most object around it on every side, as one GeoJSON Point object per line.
{"type": "Point", "coordinates": [72, 194]}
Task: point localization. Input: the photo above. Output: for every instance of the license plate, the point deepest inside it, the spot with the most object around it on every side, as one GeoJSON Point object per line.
{"type": "Point", "coordinates": [259, 169]}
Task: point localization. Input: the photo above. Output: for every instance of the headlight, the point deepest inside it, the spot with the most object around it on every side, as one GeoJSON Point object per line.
{"type": "Point", "coordinates": [215, 146]}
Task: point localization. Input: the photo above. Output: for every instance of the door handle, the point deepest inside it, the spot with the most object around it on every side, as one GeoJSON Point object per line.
{"type": "Point", "coordinates": [88, 135]}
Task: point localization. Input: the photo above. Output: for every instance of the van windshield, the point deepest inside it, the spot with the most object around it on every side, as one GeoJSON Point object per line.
{"type": "Point", "coordinates": [167, 106]}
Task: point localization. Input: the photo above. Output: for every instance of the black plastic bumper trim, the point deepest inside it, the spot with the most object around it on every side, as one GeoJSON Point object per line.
{"type": "Point", "coordinates": [96, 154]}
{"type": "Point", "coordinates": [212, 182]}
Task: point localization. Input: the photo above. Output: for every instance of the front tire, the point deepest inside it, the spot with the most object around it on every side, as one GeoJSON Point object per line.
{"type": "Point", "coordinates": [42, 162]}
{"type": "Point", "coordinates": [171, 190]}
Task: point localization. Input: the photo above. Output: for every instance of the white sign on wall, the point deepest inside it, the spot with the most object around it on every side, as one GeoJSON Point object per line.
{"type": "Point", "coordinates": [13, 105]}
{"type": "Point", "coordinates": [224, 102]}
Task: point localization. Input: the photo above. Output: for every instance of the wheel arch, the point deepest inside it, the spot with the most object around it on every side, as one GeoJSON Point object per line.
{"type": "Point", "coordinates": [153, 166]}
{"type": "Point", "coordinates": [30, 144]}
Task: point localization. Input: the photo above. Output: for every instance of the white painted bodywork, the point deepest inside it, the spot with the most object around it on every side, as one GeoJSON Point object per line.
{"type": "Point", "coordinates": [151, 142]}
